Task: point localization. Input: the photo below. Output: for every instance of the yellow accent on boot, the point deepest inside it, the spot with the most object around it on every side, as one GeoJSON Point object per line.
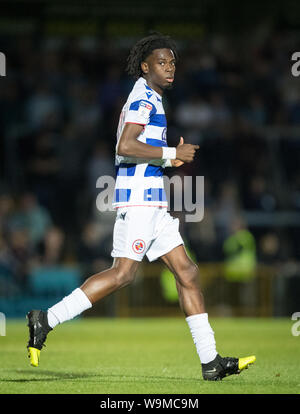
{"type": "Point", "coordinates": [246, 361]}
{"type": "Point", "coordinates": [34, 355]}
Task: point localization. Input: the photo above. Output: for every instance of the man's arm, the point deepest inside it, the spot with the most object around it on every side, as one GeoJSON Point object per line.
{"type": "Point", "coordinates": [129, 146]}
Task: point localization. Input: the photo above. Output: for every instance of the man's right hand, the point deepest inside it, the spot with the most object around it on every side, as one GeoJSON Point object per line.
{"type": "Point", "coordinates": [186, 152]}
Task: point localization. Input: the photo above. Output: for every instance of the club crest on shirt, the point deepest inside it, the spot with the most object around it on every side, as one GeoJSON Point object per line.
{"type": "Point", "coordinates": [138, 246]}
{"type": "Point", "coordinates": [164, 135]}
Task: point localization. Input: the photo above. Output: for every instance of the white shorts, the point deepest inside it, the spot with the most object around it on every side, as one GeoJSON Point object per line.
{"type": "Point", "coordinates": [145, 230]}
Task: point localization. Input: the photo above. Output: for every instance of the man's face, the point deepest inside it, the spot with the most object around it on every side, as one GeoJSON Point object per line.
{"type": "Point", "coordinates": [159, 69]}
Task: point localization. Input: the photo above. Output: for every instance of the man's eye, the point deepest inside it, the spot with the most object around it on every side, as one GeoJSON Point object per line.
{"type": "Point", "coordinates": [161, 63]}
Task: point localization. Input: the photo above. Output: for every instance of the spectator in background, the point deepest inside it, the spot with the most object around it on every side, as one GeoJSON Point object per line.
{"type": "Point", "coordinates": [18, 256]}
{"type": "Point", "coordinates": [203, 238]}
{"type": "Point", "coordinates": [99, 165]}
{"type": "Point", "coordinates": [42, 106]}
{"type": "Point", "coordinates": [202, 235]}
{"type": "Point", "coordinates": [51, 67]}
{"type": "Point", "coordinates": [204, 72]}
{"type": "Point", "coordinates": [194, 115]}
{"type": "Point", "coordinates": [109, 94]}
{"type": "Point", "coordinates": [94, 248]}
{"type": "Point", "coordinates": [226, 208]}
{"type": "Point", "coordinates": [72, 154]}
{"type": "Point", "coordinates": [32, 217]}
{"type": "Point", "coordinates": [290, 98]}
{"type": "Point", "coordinates": [69, 97]}
{"type": "Point", "coordinates": [51, 250]}
{"type": "Point", "coordinates": [240, 260]}
{"type": "Point", "coordinates": [258, 196]}
{"type": "Point", "coordinates": [295, 191]}
{"type": "Point", "coordinates": [7, 208]}
{"type": "Point", "coordinates": [110, 89]}
{"type": "Point", "coordinates": [239, 252]}
{"type": "Point", "coordinates": [10, 105]}
{"type": "Point", "coordinates": [254, 112]}
{"type": "Point", "coordinates": [269, 251]}
{"type": "Point", "coordinates": [221, 113]}
{"type": "Point", "coordinates": [7, 280]}
{"type": "Point", "coordinates": [43, 166]}
{"type": "Point", "coordinates": [83, 108]}
{"type": "Point", "coordinates": [53, 272]}
{"type": "Point", "coordinates": [15, 248]}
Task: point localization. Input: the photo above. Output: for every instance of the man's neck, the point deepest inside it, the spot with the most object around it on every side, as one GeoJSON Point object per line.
{"type": "Point", "coordinates": [156, 89]}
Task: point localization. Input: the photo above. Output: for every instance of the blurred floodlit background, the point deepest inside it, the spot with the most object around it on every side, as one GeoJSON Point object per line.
{"type": "Point", "coordinates": [234, 95]}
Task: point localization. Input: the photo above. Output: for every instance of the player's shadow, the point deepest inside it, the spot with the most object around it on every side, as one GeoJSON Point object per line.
{"type": "Point", "coordinates": [58, 376]}
{"type": "Point", "coordinates": [50, 376]}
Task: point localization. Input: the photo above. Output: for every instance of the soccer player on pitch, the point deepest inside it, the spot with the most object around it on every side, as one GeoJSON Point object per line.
{"type": "Point", "coordinates": [143, 224]}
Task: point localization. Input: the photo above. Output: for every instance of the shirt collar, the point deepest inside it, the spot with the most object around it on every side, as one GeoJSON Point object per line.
{"type": "Point", "coordinates": [143, 80]}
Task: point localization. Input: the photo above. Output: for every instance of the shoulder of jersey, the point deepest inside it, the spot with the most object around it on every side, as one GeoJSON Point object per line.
{"type": "Point", "coordinates": [144, 92]}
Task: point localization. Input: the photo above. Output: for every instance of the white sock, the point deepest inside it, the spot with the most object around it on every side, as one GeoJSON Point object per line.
{"type": "Point", "coordinates": [69, 307]}
{"type": "Point", "coordinates": [203, 337]}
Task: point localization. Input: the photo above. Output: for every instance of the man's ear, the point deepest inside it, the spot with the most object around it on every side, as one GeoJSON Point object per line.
{"type": "Point", "coordinates": [144, 67]}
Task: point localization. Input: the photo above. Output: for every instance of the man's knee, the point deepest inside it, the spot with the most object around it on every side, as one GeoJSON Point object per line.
{"type": "Point", "coordinates": [125, 274]}
{"type": "Point", "coordinates": [188, 274]}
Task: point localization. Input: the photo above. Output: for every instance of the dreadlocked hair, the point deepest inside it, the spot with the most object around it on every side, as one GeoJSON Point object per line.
{"type": "Point", "coordinates": [143, 48]}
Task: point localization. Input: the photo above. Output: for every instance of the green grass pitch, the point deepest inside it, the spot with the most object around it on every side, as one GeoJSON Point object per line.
{"type": "Point", "coordinates": [149, 356]}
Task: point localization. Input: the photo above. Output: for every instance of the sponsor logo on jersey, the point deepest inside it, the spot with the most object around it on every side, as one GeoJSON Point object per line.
{"type": "Point", "coordinates": [144, 110]}
{"type": "Point", "coordinates": [146, 105]}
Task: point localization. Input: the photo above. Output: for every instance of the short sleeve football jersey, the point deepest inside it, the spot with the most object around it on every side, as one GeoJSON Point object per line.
{"type": "Point", "coordinates": [139, 182]}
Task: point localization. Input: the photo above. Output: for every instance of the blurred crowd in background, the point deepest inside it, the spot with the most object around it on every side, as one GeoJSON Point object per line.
{"type": "Point", "coordinates": [59, 110]}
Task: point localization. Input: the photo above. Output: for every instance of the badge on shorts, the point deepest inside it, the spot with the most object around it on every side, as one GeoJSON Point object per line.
{"type": "Point", "coordinates": [138, 246]}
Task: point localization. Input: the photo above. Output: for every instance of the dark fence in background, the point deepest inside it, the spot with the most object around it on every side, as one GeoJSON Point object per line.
{"type": "Point", "coordinates": [271, 292]}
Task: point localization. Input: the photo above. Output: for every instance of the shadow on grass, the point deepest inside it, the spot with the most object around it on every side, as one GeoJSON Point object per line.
{"type": "Point", "coordinates": [51, 375]}
{"type": "Point", "coordinates": [58, 376]}
{"type": "Point", "coordinates": [245, 385]}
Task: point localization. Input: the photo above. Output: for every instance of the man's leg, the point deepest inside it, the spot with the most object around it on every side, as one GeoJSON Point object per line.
{"type": "Point", "coordinates": [187, 279]}
{"type": "Point", "coordinates": [102, 284]}
{"type": "Point", "coordinates": [93, 289]}
{"type": "Point", "coordinates": [96, 287]}
{"type": "Point", "coordinates": [191, 300]}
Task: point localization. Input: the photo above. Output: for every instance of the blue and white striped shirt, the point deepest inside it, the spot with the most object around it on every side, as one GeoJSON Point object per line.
{"type": "Point", "coordinates": [139, 182]}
